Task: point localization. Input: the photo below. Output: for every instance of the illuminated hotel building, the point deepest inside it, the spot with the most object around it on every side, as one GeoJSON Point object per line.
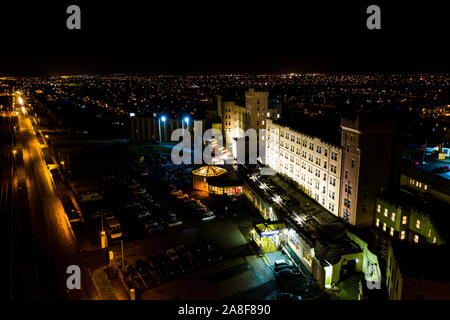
{"type": "Point", "coordinates": [234, 123]}
{"type": "Point", "coordinates": [259, 110]}
{"type": "Point", "coordinates": [310, 161]}
{"type": "Point", "coordinates": [237, 119]}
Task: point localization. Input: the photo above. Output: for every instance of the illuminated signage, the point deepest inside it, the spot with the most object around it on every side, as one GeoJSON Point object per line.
{"type": "Point", "coordinates": [270, 233]}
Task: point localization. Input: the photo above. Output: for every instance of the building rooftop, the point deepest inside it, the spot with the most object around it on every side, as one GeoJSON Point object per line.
{"type": "Point", "coordinates": [437, 211]}
{"type": "Point", "coordinates": [325, 128]}
{"type": "Point", "coordinates": [436, 182]}
{"type": "Point", "coordinates": [422, 261]}
{"type": "Point", "coordinates": [321, 229]}
{"type": "Point", "coordinates": [225, 180]}
{"type": "Point", "coordinates": [209, 171]}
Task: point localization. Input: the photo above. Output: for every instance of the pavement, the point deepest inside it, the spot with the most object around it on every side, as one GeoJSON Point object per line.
{"type": "Point", "coordinates": [241, 275]}
{"type": "Point", "coordinates": [349, 289]}
{"type": "Point", "coordinates": [108, 289]}
{"type": "Point", "coordinates": [44, 242]}
{"type": "Point", "coordinates": [234, 278]}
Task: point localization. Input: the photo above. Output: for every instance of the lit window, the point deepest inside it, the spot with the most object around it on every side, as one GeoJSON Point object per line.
{"type": "Point", "coordinates": [402, 235]}
{"type": "Point", "coordinates": [434, 240]}
{"type": "Point", "coordinates": [404, 218]}
{"type": "Point", "coordinates": [385, 212]}
{"type": "Point", "coordinates": [384, 226]}
{"type": "Point", "coordinates": [379, 208]}
{"type": "Point", "coordinates": [393, 216]}
{"type": "Point", "coordinates": [391, 232]}
{"type": "Point", "coordinates": [418, 224]}
{"type": "Point", "coordinates": [377, 223]}
{"type": "Point", "coordinates": [425, 187]}
{"type": "Point", "coordinates": [416, 238]}
{"type": "Point", "coordinates": [429, 233]}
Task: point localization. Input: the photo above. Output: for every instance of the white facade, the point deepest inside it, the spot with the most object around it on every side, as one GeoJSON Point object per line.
{"type": "Point", "coordinates": [313, 163]}
{"type": "Point", "coordinates": [234, 124]}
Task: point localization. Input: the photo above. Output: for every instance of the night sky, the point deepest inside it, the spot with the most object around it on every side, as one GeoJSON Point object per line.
{"type": "Point", "coordinates": [222, 36]}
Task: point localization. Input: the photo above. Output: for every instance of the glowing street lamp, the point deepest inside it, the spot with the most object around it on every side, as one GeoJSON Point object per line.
{"type": "Point", "coordinates": [20, 100]}
{"type": "Point", "coordinates": [186, 119]}
{"type": "Point", "coordinates": [163, 119]}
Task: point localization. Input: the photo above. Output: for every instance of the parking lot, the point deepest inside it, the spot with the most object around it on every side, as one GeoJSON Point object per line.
{"type": "Point", "coordinates": [181, 244]}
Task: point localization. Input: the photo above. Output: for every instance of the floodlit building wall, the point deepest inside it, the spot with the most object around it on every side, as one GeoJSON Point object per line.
{"type": "Point", "coordinates": [405, 223]}
{"type": "Point", "coordinates": [311, 162]}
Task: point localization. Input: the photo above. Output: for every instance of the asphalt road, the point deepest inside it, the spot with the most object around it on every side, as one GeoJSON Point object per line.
{"type": "Point", "coordinates": [43, 243]}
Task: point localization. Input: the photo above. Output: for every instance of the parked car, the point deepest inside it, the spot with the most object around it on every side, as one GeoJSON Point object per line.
{"type": "Point", "coordinates": [288, 273]}
{"type": "Point", "coordinates": [144, 215]}
{"type": "Point", "coordinates": [208, 215]}
{"type": "Point", "coordinates": [139, 190]}
{"type": "Point", "coordinates": [281, 264]}
{"type": "Point", "coordinates": [153, 226]}
{"type": "Point", "coordinates": [172, 220]}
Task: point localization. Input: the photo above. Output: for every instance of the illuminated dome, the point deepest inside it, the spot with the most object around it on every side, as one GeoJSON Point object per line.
{"type": "Point", "coordinates": [200, 175]}
{"type": "Point", "coordinates": [209, 171]}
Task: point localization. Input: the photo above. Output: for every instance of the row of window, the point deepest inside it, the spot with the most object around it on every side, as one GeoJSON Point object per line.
{"type": "Point", "coordinates": [393, 216]}
{"type": "Point", "coordinates": [418, 184]}
{"type": "Point", "coordinates": [348, 188]}
{"type": "Point", "coordinates": [403, 232]}
{"type": "Point", "coordinates": [318, 149]}
{"type": "Point", "coordinates": [347, 203]}
{"type": "Point", "coordinates": [333, 168]}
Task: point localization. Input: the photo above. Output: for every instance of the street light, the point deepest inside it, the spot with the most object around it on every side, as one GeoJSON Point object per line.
{"type": "Point", "coordinates": [186, 119]}
{"type": "Point", "coordinates": [163, 119]}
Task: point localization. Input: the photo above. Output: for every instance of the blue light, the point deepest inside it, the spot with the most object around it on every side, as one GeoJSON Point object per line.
{"type": "Point", "coordinates": [270, 233]}
{"type": "Point", "coordinates": [163, 118]}
{"type": "Point", "coordinates": [186, 120]}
